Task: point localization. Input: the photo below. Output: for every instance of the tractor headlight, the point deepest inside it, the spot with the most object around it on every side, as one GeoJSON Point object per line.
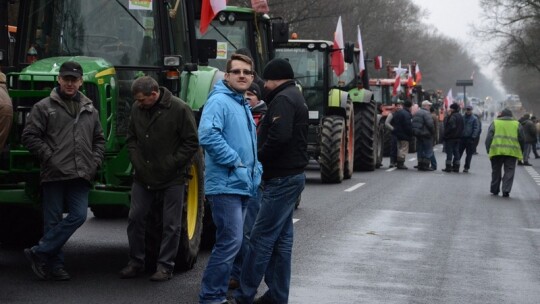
{"type": "Point", "coordinates": [172, 61]}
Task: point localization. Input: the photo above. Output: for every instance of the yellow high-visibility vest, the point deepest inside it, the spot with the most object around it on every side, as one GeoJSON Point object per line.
{"type": "Point", "coordinates": [505, 140]}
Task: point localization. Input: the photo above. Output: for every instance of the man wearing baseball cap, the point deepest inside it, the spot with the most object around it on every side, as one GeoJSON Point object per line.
{"type": "Point", "coordinates": [63, 131]}
{"type": "Point", "coordinates": [471, 132]}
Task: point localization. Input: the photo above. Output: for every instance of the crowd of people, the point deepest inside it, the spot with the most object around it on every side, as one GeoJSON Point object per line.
{"type": "Point", "coordinates": [255, 157]}
{"type": "Point", "coordinates": [508, 142]}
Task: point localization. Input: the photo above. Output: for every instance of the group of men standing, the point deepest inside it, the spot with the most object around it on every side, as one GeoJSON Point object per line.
{"type": "Point", "coordinates": [247, 163]}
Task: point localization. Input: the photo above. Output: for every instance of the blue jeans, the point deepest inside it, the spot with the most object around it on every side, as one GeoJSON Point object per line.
{"type": "Point", "coordinates": [252, 209]}
{"type": "Point", "coordinates": [271, 241]}
{"type": "Point", "coordinates": [227, 213]}
{"type": "Point", "coordinates": [57, 230]}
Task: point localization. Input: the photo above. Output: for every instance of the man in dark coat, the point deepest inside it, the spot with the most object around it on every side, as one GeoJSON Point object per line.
{"type": "Point", "coordinates": [162, 139]}
{"type": "Point", "coordinates": [424, 131]}
{"type": "Point", "coordinates": [402, 123]}
{"type": "Point", "coordinates": [453, 129]}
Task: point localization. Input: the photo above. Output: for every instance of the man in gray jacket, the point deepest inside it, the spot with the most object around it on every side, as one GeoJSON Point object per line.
{"type": "Point", "coordinates": [424, 130]}
{"type": "Point", "coordinates": [64, 132]}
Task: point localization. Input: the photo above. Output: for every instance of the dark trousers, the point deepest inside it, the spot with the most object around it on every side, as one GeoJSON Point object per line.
{"type": "Point", "coordinates": [468, 146]}
{"type": "Point", "coordinates": [393, 149]}
{"type": "Point", "coordinates": [497, 165]}
{"type": "Point", "coordinates": [452, 151]}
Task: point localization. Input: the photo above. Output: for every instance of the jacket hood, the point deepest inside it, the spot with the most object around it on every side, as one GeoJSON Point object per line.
{"type": "Point", "coordinates": [222, 88]}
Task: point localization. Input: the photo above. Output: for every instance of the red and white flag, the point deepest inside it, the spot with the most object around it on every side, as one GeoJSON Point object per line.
{"type": "Point", "coordinates": [410, 80]}
{"type": "Point", "coordinates": [260, 6]}
{"type": "Point", "coordinates": [338, 57]}
{"type": "Point", "coordinates": [448, 100]}
{"type": "Point", "coordinates": [378, 62]}
{"type": "Point", "coordinates": [361, 63]}
{"type": "Point", "coordinates": [397, 82]}
{"type": "Point", "coordinates": [418, 74]}
{"type": "Point", "coordinates": [209, 10]}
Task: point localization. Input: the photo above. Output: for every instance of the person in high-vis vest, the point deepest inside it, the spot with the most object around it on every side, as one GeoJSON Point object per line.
{"type": "Point", "coordinates": [504, 144]}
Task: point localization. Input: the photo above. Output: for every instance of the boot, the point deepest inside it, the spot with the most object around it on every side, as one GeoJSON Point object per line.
{"type": "Point", "coordinates": [427, 164]}
{"type": "Point", "coordinates": [401, 165]}
{"type": "Point", "coordinates": [448, 168]}
{"type": "Point", "coordinates": [420, 165]}
{"type": "Point", "coordinates": [455, 168]}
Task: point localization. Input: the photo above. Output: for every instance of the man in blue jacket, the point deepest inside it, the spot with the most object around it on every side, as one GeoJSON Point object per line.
{"type": "Point", "coordinates": [227, 133]}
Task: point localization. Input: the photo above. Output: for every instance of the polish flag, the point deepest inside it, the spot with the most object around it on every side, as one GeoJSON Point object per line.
{"type": "Point", "coordinates": [338, 57]}
{"type": "Point", "coordinates": [378, 62]}
{"type": "Point", "coordinates": [397, 82]}
{"type": "Point", "coordinates": [209, 10]}
{"type": "Point", "coordinates": [418, 74]}
{"type": "Point", "coordinates": [260, 6]}
{"type": "Point", "coordinates": [448, 100]}
{"type": "Point", "coordinates": [410, 80]}
{"type": "Point", "coordinates": [361, 63]}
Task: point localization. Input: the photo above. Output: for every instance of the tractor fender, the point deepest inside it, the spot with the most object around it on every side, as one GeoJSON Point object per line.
{"type": "Point", "coordinates": [337, 103]}
{"type": "Point", "coordinates": [360, 95]}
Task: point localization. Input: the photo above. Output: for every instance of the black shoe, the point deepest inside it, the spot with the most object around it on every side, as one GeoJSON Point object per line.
{"type": "Point", "coordinates": [495, 193]}
{"type": "Point", "coordinates": [465, 170]}
{"type": "Point", "coordinates": [527, 164]}
{"type": "Point", "coordinates": [60, 274]}
{"type": "Point", "coordinates": [506, 194]}
{"type": "Point", "coordinates": [161, 275]}
{"type": "Point", "coordinates": [38, 266]}
{"type": "Point", "coordinates": [520, 163]}
{"type": "Point", "coordinates": [130, 271]}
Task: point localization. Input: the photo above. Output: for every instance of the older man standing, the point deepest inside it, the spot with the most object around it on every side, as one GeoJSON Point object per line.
{"type": "Point", "coordinates": [424, 130]}
{"type": "Point", "coordinates": [283, 153]}
{"type": "Point", "coordinates": [453, 129]}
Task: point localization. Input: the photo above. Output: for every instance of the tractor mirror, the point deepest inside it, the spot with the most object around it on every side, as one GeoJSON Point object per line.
{"type": "Point", "coordinates": [280, 32]}
{"type": "Point", "coordinates": [206, 49]}
{"type": "Point", "coordinates": [349, 52]}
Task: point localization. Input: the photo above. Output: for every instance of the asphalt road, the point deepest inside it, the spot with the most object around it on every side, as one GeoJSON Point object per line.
{"type": "Point", "coordinates": [388, 236]}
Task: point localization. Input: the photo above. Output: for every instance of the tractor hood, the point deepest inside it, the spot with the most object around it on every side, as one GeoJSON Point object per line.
{"type": "Point", "coordinates": [50, 66]}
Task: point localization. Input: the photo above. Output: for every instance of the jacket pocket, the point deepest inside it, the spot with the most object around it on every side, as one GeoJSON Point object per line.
{"type": "Point", "coordinates": [239, 179]}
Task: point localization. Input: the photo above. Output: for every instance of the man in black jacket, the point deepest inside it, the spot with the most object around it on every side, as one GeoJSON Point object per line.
{"type": "Point", "coordinates": [282, 150]}
{"type": "Point", "coordinates": [453, 130]}
{"type": "Point", "coordinates": [402, 123]}
{"type": "Point", "coordinates": [162, 139]}
{"type": "Point", "coordinates": [64, 132]}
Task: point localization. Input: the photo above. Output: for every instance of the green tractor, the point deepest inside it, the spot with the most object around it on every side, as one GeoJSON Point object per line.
{"type": "Point", "coordinates": [115, 42]}
{"type": "Point", "coordinates": [340, 122]}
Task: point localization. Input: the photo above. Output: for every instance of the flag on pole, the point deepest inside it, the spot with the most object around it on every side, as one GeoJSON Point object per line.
{"type": "Point", "coordinates": [378, 62]}
{"type": "Point", "coordinates": [448, 100]}
{"type": "Point", "coordinates": [361, 63]}
{"type": "Point", "coordinates": [418, 74]}
{"type": "Point", "coordinates": [338, 57]}
{"type": "Point", "coordinates": [260, 6]}
{"type": "Point", "coordinates": [410, 80]}
{"type": "Point", "coordinates": [397, 82]}
{"type": "Point", "coordinates": [209, 10]}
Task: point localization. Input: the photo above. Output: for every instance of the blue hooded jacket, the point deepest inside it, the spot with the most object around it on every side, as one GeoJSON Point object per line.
{"type": "Point", "coordinates": [227, 133]}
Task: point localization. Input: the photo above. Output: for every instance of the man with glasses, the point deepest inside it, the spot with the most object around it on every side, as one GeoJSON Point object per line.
{"type": "Point", "coordinates": [64, 132]}
{"type": "Point", "coordinates": [227, 133]}
{"type": "Point", "coordinates": [471, 131]}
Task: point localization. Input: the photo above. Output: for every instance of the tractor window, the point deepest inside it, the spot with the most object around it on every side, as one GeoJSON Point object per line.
{"type": "Point", "coordinates": [230, 37]}
{"type": "Point", "coordinates": [308, 67]}
{"type": "Point", "coordinates": [119, 31]}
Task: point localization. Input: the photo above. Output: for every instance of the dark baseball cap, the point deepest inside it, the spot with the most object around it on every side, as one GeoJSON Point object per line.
{"type": "Point", "coordinates": [71, 68]}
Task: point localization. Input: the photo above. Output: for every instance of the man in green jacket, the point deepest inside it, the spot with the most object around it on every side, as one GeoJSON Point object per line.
{"type": "Point", "coordinates": [162, 139]}
{"type": "Point", "coordinates": [504, 143]}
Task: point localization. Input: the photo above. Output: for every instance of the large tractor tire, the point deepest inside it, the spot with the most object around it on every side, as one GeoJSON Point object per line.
{"type": "Point", "coordinates": [365, 132]}
{"type": "Point", "coordinates": [332, 157]}
{"type": "Point", "coordinates": [192, 218]}
{"type": "Point", "coordinates": [348, 169]}
{"type": "Point", "coordinates": [20, 226]}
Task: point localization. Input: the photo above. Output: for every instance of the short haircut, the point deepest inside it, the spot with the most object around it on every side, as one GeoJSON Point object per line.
{"type": "Point", "coordinates": [145, 85]}
{"type": "Point", "coordinates": [239, 57]}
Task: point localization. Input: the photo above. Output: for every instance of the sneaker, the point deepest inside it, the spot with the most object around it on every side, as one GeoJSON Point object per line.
{"type": "Point", "coordinates": [161, 275]}
{"type": "Point", "coordinates": [506, 194]}
{"type": "Point", "coordinates": [38, 266]}
{"type": "Point", "coordinates": [60, 274]}
{"type": "Point", "coordinates": [234, 284]}
{"type": "Point", "coordinates": [130, 271]}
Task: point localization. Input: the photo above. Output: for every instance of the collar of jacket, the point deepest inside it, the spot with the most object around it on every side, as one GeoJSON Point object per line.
{"type": "Point", "coordinates": [80, 97]}
{"type": "Point", "coordinates": [277, 90]}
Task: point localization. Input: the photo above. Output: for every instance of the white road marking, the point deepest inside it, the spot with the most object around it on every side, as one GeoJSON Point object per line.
{"type": "Point", "coordinates": [295, 220]}
{"type": "Point", "coordinates": [351, 189]}
{"type": "Point", "coordinates": [532, 172]}
{"type": "Point", "coordinates": [391, 169]}
{"type": "Point", "coordinates": [412, 159]}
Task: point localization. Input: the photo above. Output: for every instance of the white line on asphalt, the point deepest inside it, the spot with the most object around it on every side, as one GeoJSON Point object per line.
{"type": "Point", "coordinates": [351, 189]}
{"type": "Point", "coordinates": [391, 169]}
{"type": "Point", "coordinates": [532, 172]}
{"type": "Point", "coordinates": [295, 220]}
{"type": "Point", "coordinates": [412, 159]}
